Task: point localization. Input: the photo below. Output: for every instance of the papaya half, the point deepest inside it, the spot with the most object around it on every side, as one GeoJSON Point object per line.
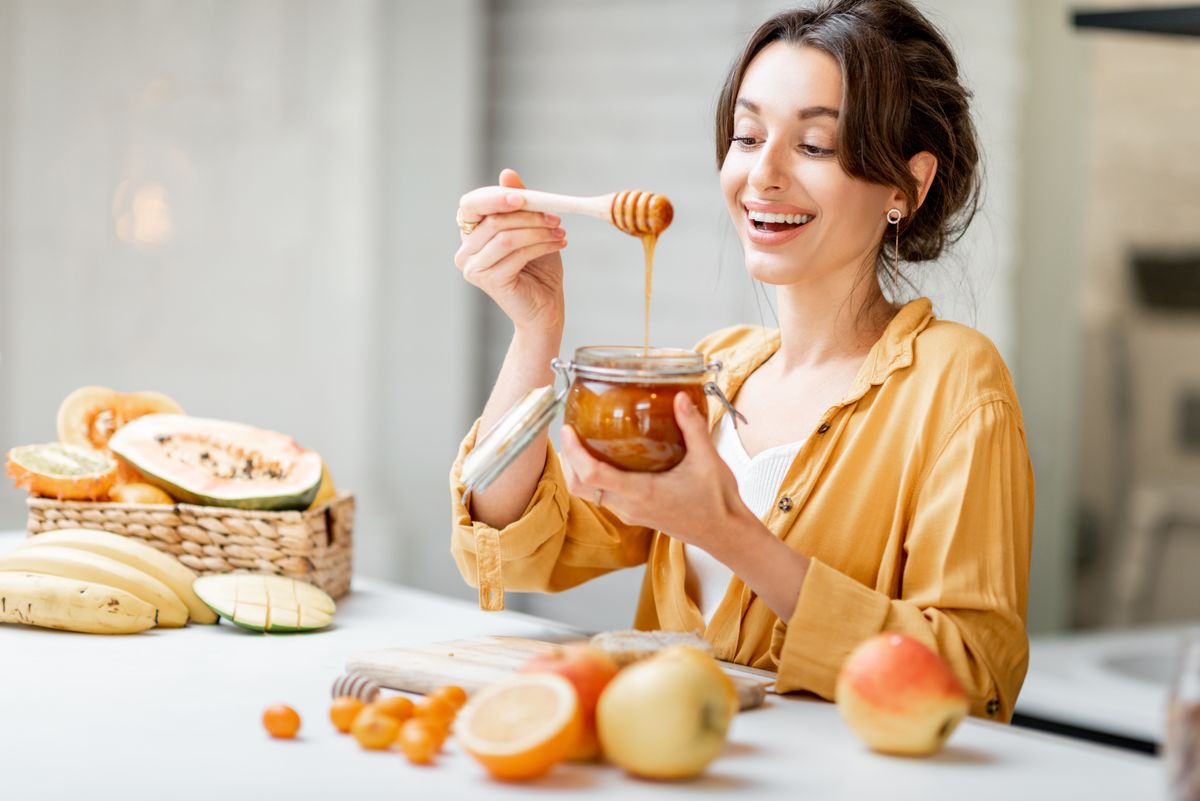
{"type": "Point", "coordinates": [219, 463]}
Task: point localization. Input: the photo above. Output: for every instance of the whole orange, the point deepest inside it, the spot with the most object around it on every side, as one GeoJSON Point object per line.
{"type": "Point", "coordinates": [456, 695]}
{"type": "Point", "coordinates": [439, 726]}
{"type": "Point", "coordinates": [397, 706]}
{"type": "Point", "coordinates": [419, 741]}
{"type": "Point", "coordinates": [432, 706]}
{"type": "Point", "coordinates": [281, 721]}
{"type": "Point", "coordinates": [343, 711]}
{"type": "Point", "coordinates": [373, 729]}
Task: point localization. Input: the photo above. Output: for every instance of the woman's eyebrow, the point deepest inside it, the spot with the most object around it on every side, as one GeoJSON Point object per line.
{"type": "Point", "coordinates": [818, 111]}
{"type": "Point", "coordinates": [806, 113]}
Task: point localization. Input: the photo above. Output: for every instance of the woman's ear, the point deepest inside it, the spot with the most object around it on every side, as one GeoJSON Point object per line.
{"type": "Point", "coordinates": [923, 167]}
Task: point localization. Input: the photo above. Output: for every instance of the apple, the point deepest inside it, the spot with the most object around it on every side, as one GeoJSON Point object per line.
{"type": "Point", "coordinates": [589, 670]}
{"type": "Point", "coordinates": [666, 717]}
{"type": "Point", "coordinates": [710, 664]}
{"type": "Point", "coordinates": [899, 697]}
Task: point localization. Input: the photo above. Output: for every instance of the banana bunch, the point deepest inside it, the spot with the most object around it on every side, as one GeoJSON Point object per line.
{"type": "Point", "coordinates": [96, 582]}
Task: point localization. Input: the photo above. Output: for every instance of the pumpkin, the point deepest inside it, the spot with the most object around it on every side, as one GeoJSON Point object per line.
{"type": "Point", "coordinates": [89, 416]}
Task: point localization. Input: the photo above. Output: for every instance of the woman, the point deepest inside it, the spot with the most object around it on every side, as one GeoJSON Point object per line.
{"type": "Point", "coordinates": [882, 482]}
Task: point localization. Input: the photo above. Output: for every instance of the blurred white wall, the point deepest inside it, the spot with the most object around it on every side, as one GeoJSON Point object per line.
{"type": "Point", "coordinates": [432, 106]}
{"type": "Point", "coordinates": [1047, 240]}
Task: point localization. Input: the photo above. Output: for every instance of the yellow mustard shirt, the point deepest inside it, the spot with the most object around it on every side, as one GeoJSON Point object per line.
{"type": "Point", "coordinates": [913, 497]}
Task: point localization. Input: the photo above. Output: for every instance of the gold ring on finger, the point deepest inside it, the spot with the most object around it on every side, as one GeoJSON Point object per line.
{"type": "Point", "coordinates": [464, 226]}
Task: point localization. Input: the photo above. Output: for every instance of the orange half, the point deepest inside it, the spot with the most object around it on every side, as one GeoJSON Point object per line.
{"type": "Point", "coordinates": [521, 728]}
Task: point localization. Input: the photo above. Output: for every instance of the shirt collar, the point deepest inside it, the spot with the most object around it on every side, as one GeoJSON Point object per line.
{"type": "Point", "coordinates": [891, 352]}
{"type": "Point", "coordinates": [894, 350]}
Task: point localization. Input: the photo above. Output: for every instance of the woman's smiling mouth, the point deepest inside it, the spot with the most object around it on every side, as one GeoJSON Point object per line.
{"type": "Point", "coordinates": [766, 221]}
{"type": "Point", "coordinates": [774, 227]}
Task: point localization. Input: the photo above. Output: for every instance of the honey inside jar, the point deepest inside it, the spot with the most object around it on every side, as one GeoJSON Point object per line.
{"type": "Point", "coordinates": [621, 403]}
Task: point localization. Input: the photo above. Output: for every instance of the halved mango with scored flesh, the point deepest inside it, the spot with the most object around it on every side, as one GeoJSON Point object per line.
{"type": "Point", "coordinates": [251, 616]}
{"type": "Point", "coordinates": [266, 603]}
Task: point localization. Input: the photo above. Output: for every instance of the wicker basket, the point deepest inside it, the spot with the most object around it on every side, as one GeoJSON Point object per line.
{"type": "Point", "coordinates": [312, 546]}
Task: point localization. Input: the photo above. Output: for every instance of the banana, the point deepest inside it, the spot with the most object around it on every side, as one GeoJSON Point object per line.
{"type": "Point", "coordinates": [55, 560]}
{"type": "Point", "coordinates": [55, 602]}
{"type": "Point", "coordinates": [136, 554]}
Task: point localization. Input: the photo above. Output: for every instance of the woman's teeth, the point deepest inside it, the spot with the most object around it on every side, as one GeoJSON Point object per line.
{"type": "Point", "coordinates": [761, 217]}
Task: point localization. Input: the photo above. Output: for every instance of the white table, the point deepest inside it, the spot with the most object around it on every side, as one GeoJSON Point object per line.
{"type": "Point", "coordinates": [174, 715]}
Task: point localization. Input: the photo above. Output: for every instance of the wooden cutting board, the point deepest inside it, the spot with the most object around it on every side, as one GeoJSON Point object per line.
{"type": "Point", "coordinates": [473, 664]}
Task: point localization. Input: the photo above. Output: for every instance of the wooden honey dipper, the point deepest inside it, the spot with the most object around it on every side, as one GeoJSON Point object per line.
{"type": "Point", "coordinates": [636, 213]}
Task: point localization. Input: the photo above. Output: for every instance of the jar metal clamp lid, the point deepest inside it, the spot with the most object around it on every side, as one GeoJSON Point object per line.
{"type": "Point", "coordinates": [521, 424]}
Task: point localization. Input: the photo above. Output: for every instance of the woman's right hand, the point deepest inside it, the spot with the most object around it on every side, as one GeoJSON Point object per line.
{"type": "Point", "coordinates": [513, 255]}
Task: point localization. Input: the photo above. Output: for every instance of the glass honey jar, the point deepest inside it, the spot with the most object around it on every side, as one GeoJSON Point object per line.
{"type": "Point", "coordinates": [621, 403]}
{"type": "Point", "coordinates": [620, 400]}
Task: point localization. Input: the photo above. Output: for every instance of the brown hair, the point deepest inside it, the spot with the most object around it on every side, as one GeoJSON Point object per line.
{"type": "Point", "coordinates": [901, 96]}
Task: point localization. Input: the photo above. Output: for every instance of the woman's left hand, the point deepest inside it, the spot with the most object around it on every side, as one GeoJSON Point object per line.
{"type": "Point", "coordinates": [696, 501]}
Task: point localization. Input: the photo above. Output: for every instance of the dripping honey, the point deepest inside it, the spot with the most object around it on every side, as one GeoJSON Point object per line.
{"type": "Point", "coordinates": [648, 243]}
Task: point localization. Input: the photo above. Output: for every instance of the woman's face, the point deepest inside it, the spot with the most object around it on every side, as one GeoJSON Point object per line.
{"type": "Point", "coordinates": [783, 161]}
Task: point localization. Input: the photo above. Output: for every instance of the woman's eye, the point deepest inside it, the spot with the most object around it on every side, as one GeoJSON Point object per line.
{"type": "Point", "coordinates": [816, 151]}
{"type": "Point", "coordinates": [745, 141]}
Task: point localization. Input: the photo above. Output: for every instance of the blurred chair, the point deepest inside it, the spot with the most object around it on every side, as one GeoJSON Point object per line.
{"type": "Point", "coordinates": [1158, 365]}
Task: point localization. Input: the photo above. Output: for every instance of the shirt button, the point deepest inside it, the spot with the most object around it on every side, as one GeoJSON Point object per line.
{"type": "Point", "coordinates": [785, 504]}
{"type": "Point", "coordinates": [993, 706]}
{"type": "Point", "coordinates": [824, 427]}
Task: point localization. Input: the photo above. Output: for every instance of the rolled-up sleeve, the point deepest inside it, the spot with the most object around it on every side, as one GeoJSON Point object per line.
{"type": "Point", "coordinates": [964, 584]}
{"type": "Point", "coordinates": [559, 541]}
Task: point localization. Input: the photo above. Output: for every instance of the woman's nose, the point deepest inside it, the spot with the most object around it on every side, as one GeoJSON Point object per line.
{"type": "Point", "coordinates": [770, 171]}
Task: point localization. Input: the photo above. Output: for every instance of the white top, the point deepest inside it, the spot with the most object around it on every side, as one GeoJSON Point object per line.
{"type": "Point", "coordinates": [759, 479]}
{"type": "Point", "coordinates": [179, 696]}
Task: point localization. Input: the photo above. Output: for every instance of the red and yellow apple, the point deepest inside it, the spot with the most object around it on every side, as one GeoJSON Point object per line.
{"type": "Point", "coordinates": [589, 670]}
{"type": "Point", "coordinates": [666, 717]}
{"type": "Point", "coordinates": [899, 697]}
